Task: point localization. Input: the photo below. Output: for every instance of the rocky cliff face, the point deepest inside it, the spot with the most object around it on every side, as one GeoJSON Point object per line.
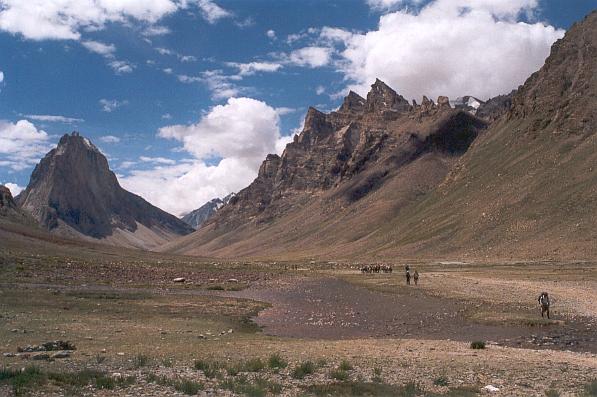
{"type": "Point", "coordinates": [198, 217]}
{"type": "Point", "coordinates": [72, 191]}
{"type": "Point", "coordinates": [381, 178]}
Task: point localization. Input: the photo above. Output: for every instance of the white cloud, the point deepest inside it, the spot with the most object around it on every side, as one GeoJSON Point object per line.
{"type": "Point", "coordinates": [450, 47]}
{"type": "Point", "coordinates": [109, 105]}
{"type": "Point", "coordinates": [54, 118]}
{"type": "Point", "coordinates": [1, 76]}
{"type": "Point", "coordinates": [181, 57]}
{"type": "Point", "coordinates": [220, 85]}
{"type": "Point", "coordinates": [103, 49]}
{"type": "Point", "coordinates": [248, 69]}
{"type": "Point", "coordinates": [312, 57]}
{"type": "Point", "coordinates": [319, 89]}
{"type": "Point", "coordinates": [166, 116]}
{"type": "Point", "coordinates": [240, 133]}
{"type": "Point", "coordinates": [21, 144]}
{"type": "Point", "coordinates": [121, 67]}
{"type": "Point", "coordinates": [211, 11]}
{"type": "Point", "coordinates": [168, 70]}
{"type": "Point", "coordinates": [158, 160]}
{"type": "Point", "coordinates": [109, 139]}
{"type": "Point", "coordinates": [271, 34]}
{"type": "Point", "coordinates": [14, 188]}
{"type": "Point", "coordinates": [65, 19]}
{"type": "Point", "coordinates": [156, 30]}
{"type": "Point", "coordinates": [386, 4]}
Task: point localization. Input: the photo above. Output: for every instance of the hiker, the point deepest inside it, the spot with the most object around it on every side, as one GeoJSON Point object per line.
{"type": "Point", "coordinates": [544, 302]}
{"type": "Point", "coordinates": [407, 275]}
{"type": "Point", "coordinates": [416, 277]}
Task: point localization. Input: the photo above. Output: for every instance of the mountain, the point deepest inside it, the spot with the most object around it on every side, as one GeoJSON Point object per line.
{"type": "Point", "coordinates": [72, 192]}
{"type": "Point", "coordinates": [9, 210]}
{"type": "Point", "coordinates": [380, 178]}
{"type": "Point", "coordinates": [198, 217]}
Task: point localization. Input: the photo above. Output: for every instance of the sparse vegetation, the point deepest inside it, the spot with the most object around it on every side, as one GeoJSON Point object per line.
{"type": "Point", "coordinates": [276, 362]}
{"type": "Point", "coordinates": [377, 371]}
{"type": "Point", "coordinates": [210, 369]}
{"type": "Point", "coordinates": [552, 393]}
{"type": "Point", "coordinates": [259, 387]}
{"type": "Point", "coordinates": [590, 389]}
{"type": "Point", "coordinates": [478, 345]}
{"type": "Point", "coordinates": [339, 374]}
{"type": "Point", "coordinates": [188, 386]}
{"type": "Point", "coordinates": [441, 381]}
{"type": "Point", "coordinates": [140, 360]}
{"type": "Point", "coordinates": [303, 369]}
{"type": "Point", "coordinates": [345, 365]}
{"type": "Point", "coordinates": [363, 389]}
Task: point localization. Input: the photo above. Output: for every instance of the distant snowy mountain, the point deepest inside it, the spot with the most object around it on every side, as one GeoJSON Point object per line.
{"type": "Point", "coordinates": [469, 103]}
{"type": "Point", "coordinates": [199, 216]}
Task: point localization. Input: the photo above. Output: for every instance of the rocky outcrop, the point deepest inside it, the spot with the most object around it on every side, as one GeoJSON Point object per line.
{"type": "Point", "coordinates": [7, 202]}
{"type": "Point", "coordinates": [73, 192]}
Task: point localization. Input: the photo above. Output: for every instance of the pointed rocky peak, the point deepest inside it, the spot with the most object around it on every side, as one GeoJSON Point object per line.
{"type": "Point", "coordinates": [383, 98]}
{"type": "Point", "coordinates": [353, 103]}
{"type": "Point", "coordinates": [73, 188]}
{"type": "Point", "coordinates": [314, 118]}
{"type": "Point", "coordinates": [443, 102]}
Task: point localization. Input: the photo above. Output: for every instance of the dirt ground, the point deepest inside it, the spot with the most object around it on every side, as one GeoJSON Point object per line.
{"type": "Point", "coordinates": [129, 320]}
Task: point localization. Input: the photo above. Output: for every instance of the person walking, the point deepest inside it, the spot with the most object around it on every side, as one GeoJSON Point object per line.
{"type": "Point", "coordinates": [407, 275]}
{"type": "Point", "coordinates": [416, 277]}
{"type": "Point", "coordinates": [544, 303]}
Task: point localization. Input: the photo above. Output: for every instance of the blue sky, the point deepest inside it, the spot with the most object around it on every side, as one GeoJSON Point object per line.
{"type": "Point", "coordinates": [185, 97]}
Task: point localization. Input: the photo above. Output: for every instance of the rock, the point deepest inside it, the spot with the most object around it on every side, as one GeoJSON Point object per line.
{"type": "Point", "coordinates": [62, 354]}
{"type": "Point", "coordinates": [9, 355]}
{"type": "Point", "coordinates": [179, 280]}
{"type": "Point", "coordinates": [40, 356]}
{"type": "Point", "coordinates": [490, 389]}
{"type": "Point", "coordinates": [120, 354]}
{"type": "Point", "coordinates": [232, 280]}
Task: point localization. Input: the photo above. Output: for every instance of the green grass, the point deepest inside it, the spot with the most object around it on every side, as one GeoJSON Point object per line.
{"type": "Point", "coordinates": [552, 393]}
{"type": "Point", "coordinates": [362, 389]}
{"type": "Point", "coordinates": [345, 366]}
{"type": "Point", "coordinates": [441, 381]}
{"type": "Point", "coordinates": [21, 381]}
{"type": "Point", "coordinates": [210, 369]}
{"type": "Point", "coordinates": [276, 362]}
{"type": "Point", "coordinates": [259, 387]}
{"type": "Point", "coordinates": [141, 360]}
{"type": "Point", "coordinates": [478, 345]}
{"type": "Point", "coordinates": [188, 386]}
{"type": "Point", "coordinates": [590, 389]}
{"type": "Point", "coordinates": [339, 374]}
{"type": "Point", "coordinates": [377, 375]}
{"type": "Point", "coordinates": [303, 369]}
{"type": "Point", "coordinates": [33, 377]}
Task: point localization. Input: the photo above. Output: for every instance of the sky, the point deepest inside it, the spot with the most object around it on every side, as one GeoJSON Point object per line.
{"type": "Point", "coordinates": [187, 97]}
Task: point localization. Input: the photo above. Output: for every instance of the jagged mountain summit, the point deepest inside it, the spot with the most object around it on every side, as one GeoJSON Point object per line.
{"type": "Point", "coordinates": [72, 192]}
{"type": "Point", "coordinates": [381, 178]}
{"type": "Point", "coordinates": [198, 217]}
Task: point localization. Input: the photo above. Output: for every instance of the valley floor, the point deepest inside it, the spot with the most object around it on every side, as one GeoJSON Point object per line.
{"type": "Point", "coordinates": [236, 328]}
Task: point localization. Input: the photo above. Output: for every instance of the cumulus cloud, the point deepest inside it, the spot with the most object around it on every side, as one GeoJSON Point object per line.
{"type": "Point", "coordinates": [1, 76]}
{"type": "Point", "coordinates": [65, 19]}
{"type": "Point", "coordinates": [120, 67]}
{"type": "Point", "coordinates": [21, 144]}
{"type": "Point", "coordinates": [312, 57]}
{"type": "Point", "coordinates": [248, 69]}
{"type": "Point", "coordinates": [448, 47]}
{"type": "Point", "coordinates": [271, 34]}
{"type": "Point", "coordinates": [212, 12]}
{"type": "Point", "coordinates": [54, 118]}
{"type": "Point", "coordinates": [110, 105]}
{"type": "Point", "coordinates": [239, 133]}
{"type": "Point", "coordinates": [14, 188]}
{"type": "Point", "coordinates": [110, 139]}
{"type": "Point", "coordinates": [99, 48]}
